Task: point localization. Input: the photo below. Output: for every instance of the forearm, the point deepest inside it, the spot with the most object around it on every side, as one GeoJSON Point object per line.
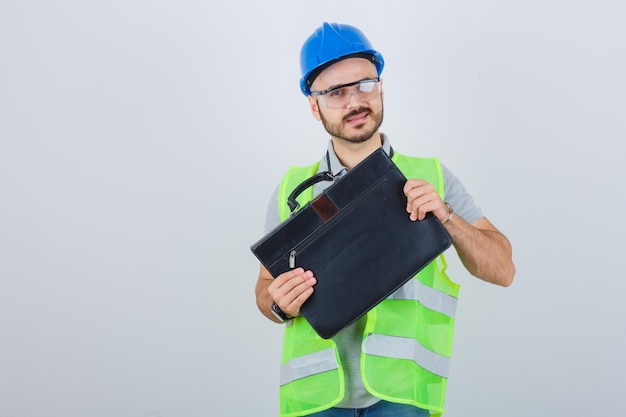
{"type": "Point", "coordinates": [484, 251]}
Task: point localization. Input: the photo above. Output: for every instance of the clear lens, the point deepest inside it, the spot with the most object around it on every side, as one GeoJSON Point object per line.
{"type": "Point", "coordinates": [339, 97]}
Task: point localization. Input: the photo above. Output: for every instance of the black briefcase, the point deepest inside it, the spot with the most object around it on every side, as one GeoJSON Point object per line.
{"type": "Point", "coordinates": [357, 239]}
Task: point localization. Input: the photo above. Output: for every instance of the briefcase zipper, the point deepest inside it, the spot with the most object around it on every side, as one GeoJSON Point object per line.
{"type": "Point", "coordinates": [292, 259]}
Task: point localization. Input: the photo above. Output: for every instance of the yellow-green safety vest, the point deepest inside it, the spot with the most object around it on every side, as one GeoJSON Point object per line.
{"type": "Point", "coordinates": [407, 341]}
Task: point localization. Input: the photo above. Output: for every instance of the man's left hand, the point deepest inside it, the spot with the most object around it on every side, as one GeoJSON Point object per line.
{"type": "Point", "coordinates": [422, 198]}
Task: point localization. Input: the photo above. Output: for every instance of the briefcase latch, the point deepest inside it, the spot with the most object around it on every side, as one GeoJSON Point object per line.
{"type": "Point", "coordinates": [292, 259]}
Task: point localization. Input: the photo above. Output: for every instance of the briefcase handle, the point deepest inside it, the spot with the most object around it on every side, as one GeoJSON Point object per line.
{"type": "Point", "coordinates": [322, 176]}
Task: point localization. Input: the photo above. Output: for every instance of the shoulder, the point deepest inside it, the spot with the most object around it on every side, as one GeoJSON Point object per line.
{"type": "Point", "coordinates": [459, 198]}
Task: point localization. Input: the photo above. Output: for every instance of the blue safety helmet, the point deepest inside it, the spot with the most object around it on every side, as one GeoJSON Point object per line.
{"type": "Point", "coordinates": [330, 43]}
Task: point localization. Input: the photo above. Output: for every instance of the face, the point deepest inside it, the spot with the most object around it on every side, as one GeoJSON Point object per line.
{"type": "Point", "coordinates": [359, 121]}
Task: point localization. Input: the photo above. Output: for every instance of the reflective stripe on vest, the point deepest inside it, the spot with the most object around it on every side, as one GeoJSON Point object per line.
{"type": "Point", "coordinates": [409, 349]}
{"type": "Point", "coordinates": [308, 365]}
{"type": "Point", "coordinates": [427, 296]}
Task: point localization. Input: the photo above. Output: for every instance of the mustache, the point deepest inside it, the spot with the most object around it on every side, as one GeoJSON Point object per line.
{"type": "Point", "coordinates": [356, 111]}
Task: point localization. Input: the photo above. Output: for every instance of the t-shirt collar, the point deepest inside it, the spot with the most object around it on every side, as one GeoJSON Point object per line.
{"type": "Point", "coordinates": [336, 168]}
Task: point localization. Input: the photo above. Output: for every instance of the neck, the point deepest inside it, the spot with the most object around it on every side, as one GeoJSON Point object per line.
{"type": "Point", "coordinates": [350, 153]}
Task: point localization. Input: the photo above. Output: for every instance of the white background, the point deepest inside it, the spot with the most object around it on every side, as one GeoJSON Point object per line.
{"type": "Point", "coordinates": [140, 142]}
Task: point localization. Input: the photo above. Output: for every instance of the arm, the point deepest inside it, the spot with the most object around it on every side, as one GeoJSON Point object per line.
{"type": "Point", "coordinates": [484, 251]}
{"type": "Point", "coordinates": [289, 290]}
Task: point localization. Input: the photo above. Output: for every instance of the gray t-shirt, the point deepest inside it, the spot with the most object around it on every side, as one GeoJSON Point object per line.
{"type": "Point", "coordinates": [349, 339]}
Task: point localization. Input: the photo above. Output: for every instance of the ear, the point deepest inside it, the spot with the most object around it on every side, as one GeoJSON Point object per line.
{"type": "Point", "coordinates": [382, 90]}
{"type": "Point", "coordinates": [314, 106]}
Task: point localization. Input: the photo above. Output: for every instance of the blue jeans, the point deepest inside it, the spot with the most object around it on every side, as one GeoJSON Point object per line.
{"type": "Point", "coordinates": [380, 409]}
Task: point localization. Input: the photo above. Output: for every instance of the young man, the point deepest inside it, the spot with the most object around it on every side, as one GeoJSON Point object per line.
{"type": "Point", "coordinates": [406, 373]}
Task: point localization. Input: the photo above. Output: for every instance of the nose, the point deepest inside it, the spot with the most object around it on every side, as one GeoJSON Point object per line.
{"type": "Point", "coordinates": [357, 100]}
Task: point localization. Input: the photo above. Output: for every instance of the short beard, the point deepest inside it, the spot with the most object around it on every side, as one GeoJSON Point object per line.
{"type": "Point", "coordinates": [336, 130]}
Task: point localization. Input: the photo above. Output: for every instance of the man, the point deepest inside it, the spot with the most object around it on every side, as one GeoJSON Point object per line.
{"type": "Point", "coordinates": [342, 376]}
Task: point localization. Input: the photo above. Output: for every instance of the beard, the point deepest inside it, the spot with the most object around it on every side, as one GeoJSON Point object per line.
{"type": "Point", "coordinates": [338, 130]}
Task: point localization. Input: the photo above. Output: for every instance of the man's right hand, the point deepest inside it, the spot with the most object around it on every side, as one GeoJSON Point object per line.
{"type": "Point", "coordinates": [289, 290]}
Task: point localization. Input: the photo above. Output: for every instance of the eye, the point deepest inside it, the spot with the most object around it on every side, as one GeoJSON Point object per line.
{"type": "Point", "coordinates": [336, 93]}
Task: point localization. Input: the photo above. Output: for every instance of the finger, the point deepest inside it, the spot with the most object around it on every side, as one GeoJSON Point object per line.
{"type": "Point", "coordinates": [295, 306]}
{"type": "Point", "coordinates": [413, 186]}
{"type": "Point", "coordinates": [288, 275]}
{"type": "Point", "coordinates": [287, 282]}
{"type": "Point", "coordinates": [422, 205]}
{"type": "Point", "coordinates": [300, 286]}
{"type": "Point", "coordinates": [292, 301]}
{"type": "Point", "coordinates": [415, 207]}
{"type": "Point", "coordinates": [276, 287]}
{"type": "Point", "coordinates": [417, 193]}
